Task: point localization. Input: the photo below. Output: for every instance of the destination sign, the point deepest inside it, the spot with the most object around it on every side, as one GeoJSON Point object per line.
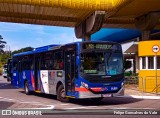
{"type": "Point", "coordinates": [97, 46]}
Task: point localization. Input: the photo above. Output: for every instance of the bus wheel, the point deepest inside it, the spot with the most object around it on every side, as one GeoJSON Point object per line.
{"type": "Point", "coordinates": [96, 99]}
{"type": "Point", "coordinates": [26, 88]}
{"type": "Point", "coordinates": [61, 94]}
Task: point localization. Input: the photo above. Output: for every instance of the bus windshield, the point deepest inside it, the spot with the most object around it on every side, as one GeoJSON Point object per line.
{"type": "Point", "coordinates": [101, 63]}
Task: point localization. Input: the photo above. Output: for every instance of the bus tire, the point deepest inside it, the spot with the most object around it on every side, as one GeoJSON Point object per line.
{"type": "Point", "coordinates": [8, 79]}
{"type": "Point", "coordinates": [96, 99]}
{"type": "Point", "coordinates": [61, 94]}
{"type": "Point", "coordinates": [26, 88]}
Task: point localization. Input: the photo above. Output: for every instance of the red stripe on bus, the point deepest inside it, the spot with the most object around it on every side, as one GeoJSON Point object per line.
{"type": "Point", "coordinates": [32, 81]}
{"type": "Point", "coordinates": [81, 89]}
{"type": "Point", "coordinates": [96, 89]}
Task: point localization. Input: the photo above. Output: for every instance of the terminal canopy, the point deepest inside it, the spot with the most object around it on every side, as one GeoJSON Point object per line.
{"type": "Point", "coordinates": [69, 13]}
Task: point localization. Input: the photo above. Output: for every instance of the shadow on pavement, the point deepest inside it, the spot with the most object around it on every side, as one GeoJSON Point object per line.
{"type": "Point", "coordinates": [5, 105]}
{"type": "Point", "coordinates": [7, 86]}
{"type": "Point", "coordinates": [88, 102]}
{"type": "Point", "coordinates": [54, 97]}
{"type": "Point", "coordinates": [105, 101]}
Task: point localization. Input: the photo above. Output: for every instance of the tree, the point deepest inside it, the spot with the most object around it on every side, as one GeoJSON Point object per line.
{"type": "Point", "coordinates": [3, 56]}
{"type": "Point", "coordinates": [22, 50]}
{"type": "Point", "coordinates": [2, 45]}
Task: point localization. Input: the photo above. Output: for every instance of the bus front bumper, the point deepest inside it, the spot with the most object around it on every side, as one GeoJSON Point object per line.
{"type": "Point", "coordinates": [92, 95]}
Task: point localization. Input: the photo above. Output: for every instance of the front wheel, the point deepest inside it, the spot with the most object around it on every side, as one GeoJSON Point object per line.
{"type": "Point", "coordinates": [26, 88]}
{"type": "Point", "coordinates": [61, 95]}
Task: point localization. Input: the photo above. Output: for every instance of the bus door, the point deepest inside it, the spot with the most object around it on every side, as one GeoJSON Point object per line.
{"type": "Point", "coordinates": [19, 73]}
{"type": "Point", "coordinates": [37, 74]}
{"type": "Point", "coordinates": [15, 73]}
{"type": "Point", "coordinates": [9, 70]}
{"type": "Point", "coordinates": [70, 64]}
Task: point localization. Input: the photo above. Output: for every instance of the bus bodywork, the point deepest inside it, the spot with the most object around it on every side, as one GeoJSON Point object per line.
{"type": "Point", "coordinates": [77, 70]}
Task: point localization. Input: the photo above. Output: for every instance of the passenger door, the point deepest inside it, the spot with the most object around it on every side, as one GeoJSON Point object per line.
{"type": "Point", "coordinates": [70, 65]}
{"type": "Point", "coordinates": [19, 73]}
{"type": "Point", "coordinates": [36, 74]}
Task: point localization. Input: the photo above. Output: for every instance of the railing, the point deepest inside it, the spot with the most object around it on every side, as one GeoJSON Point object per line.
{"type": "Point", "coordinates": [148, 84]}
{"type": "Point", "coordinates": [132, 81]}
{"type": "Point", "coordinates": [156, 86]}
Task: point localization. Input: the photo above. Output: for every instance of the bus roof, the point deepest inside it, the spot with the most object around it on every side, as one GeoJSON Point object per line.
{"type": "Point", "coordinates": [36, 50]}
{"type": "Point", "coordinates": [55, 46]}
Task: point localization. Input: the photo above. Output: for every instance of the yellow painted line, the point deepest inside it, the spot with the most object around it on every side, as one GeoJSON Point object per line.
{"type": "Point", "coordinates": [70, 97]}
{"type": "Point", "coordinates": [38, 91]}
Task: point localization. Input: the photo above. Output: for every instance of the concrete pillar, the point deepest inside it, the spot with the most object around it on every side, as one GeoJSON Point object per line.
{"type": "Point", "coordinates": [137, 62]}
{"type": "Point", "coordinates": [87, 37]}
{"type": "Point", "coordinates": [146, 23]}
{"type": "Point", "coordinates": [90, 25]}
{"type": "Point", "coordinates": [134, 65]}
{"type": "Point", "coordinates": [146, 34]}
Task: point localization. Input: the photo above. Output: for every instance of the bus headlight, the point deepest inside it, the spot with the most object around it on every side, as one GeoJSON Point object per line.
{"type": "Point", "coordinates": [122, 84]}
{"type": "Point", "coordinates": [84, 84]}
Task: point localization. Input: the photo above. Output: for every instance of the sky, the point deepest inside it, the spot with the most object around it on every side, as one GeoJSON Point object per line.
{"type": "Point", "coordinates": [19, 36]}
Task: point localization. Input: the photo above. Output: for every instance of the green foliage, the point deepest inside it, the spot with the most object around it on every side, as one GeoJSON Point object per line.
{"type": "Point", "coordinates": [128, 73]}
{"type": "Point", "coordinates": [22, 50]}
{"type": "Point", "coordinates": [3, 59]}
{"type": "Point", "coordinates": [3, 56]}
{"type": "Point", "coordinates": [1, 71]}
{"type": "Point", "coordinates": [2, 44]}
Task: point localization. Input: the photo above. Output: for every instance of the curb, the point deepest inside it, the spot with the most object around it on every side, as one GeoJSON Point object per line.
{"type": "Point", "coordinates": [140, 97]}
{"type": "Point", "coordinates": [33, 104]}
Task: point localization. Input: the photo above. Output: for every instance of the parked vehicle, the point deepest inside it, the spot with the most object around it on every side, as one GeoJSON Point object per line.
{"type": "Point", "coordinates": [4, 73]}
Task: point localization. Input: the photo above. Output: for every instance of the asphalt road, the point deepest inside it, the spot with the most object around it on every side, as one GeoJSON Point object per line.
{"type": "Point", "coordinates": [14, 98]}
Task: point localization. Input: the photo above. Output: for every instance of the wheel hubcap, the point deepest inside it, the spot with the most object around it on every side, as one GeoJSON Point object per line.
{"type": "Point", "coordinates": [62, 93]}
{"type": "Point", "coordinates": [26, 89]}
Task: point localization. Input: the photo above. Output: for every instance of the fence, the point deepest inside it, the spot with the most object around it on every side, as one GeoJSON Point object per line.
{"type": "Point", "coordinates": [142, 85]}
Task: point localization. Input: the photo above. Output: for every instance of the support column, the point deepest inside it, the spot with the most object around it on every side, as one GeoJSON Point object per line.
{"type": "Point", "coordinates": [134, 65]}
{"type": "Point", "coordinates": [87, 37]}
{"type": "Point", "coordinates": [146, 23]}
{"type": "Point", "coordinates": [137, 62]}
{"type": "Point", "coordinates": [146, 34]}
{"type": "Point", "coordinates": [90, 25]}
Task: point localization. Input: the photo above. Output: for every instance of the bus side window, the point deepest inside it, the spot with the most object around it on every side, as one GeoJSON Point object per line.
{"type": "Point", "coordinates": [47, 61]}
{"type": "Point", "coordinates": [31, 65]}
{"type": "Point", "coordinates": [58, 60]}
{"type": "Point", "coordinates": [15, 65]}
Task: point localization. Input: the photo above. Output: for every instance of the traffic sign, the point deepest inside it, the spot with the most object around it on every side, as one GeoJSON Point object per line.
{"type": "Point", "coordinates": [155, 48]}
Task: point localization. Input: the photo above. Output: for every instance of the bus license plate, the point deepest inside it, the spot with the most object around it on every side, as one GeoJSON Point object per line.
{"type": "Point", "coordinates": [106, 95]}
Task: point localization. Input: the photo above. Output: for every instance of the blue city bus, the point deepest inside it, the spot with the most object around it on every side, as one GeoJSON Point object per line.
{"type": "Point", "coordinates": [77, 70]}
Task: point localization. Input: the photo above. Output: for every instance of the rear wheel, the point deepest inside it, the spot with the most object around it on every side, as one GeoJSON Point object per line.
{"type": "Point", "coordinates": [26, 88]}
{"type": "Point", "coordinates": [61, 95]}
{"type": "Point", "coordinates": [8, 78]}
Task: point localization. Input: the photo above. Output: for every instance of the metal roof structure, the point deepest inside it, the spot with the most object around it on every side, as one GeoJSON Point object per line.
{"type": "Point", "coordinates": [69, 13]}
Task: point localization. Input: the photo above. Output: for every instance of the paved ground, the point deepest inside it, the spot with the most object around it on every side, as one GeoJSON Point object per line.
{"type": "Point", "coordinates": [11, 98]}
{"type": "Point", "coordinates": [133, 91]}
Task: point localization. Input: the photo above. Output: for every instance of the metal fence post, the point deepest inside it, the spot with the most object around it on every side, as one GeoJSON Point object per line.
{"type": "Point", "coordinates": [143, 86]}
